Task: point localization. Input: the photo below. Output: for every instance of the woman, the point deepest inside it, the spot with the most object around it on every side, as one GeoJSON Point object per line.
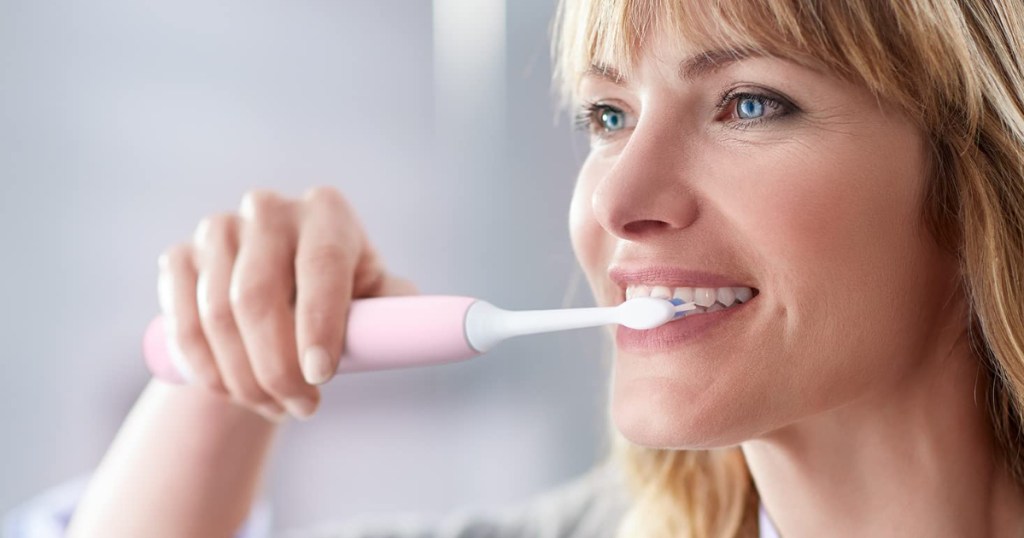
{"type": "Point", "coordinates": [851, 170]}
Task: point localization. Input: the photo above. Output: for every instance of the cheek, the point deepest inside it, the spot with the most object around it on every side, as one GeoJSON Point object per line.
{"type": "Point", "coordinates": [848, 265]}
{"type": "Point", "coordinates": [843, 226]}
{"type": "Point", "coordinates": [579, 214]}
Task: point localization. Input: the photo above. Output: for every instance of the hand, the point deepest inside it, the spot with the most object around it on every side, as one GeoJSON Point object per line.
{"type": "Point", "coordinates": [258, 301]}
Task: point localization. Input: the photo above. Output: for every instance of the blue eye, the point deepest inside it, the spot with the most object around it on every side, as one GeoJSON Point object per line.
{"type": "Point", "coordinates": [602, 120]}
{"type": "Point", "coordinates": [749, 108]}
{"type": "Point", "coordinates": [612, 120]}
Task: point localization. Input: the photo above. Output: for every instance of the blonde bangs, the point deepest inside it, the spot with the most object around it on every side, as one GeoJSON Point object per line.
{"type": "Point", "coordinates": [614, 34]}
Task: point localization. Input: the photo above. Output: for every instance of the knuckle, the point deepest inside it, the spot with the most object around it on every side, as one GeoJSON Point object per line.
{"type": "Point", "coordinates": [219, 316]}
{"type": "Point", "coordinates": [258, 203]}
{"type": "Point", "coordinates": [325, 194]}
{"type": "Point", "coordinates": [175, 256]}
{"type": "Point", "coordinates": [221, 221]}
{"type": "Point", "coordinates": [252, 298]}
{"type": "Point", "coordinates": [324, 257]}
{"type": "Point", "coordinates": [211, 227]}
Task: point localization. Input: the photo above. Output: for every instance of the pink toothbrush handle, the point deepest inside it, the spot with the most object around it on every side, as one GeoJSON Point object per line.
{"type": "Point", "coordinates": [383, 333]}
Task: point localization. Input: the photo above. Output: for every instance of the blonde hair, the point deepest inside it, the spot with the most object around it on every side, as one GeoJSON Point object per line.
{"type": "Point", "coordinates": [954, 68]}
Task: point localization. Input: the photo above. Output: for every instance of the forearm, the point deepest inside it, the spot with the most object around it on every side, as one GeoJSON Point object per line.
{"type": "Point", "coordinates": [185, 463]}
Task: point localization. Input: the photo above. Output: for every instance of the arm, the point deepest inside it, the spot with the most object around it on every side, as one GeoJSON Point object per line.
{"type": "Point", "coordinates": [186, 462]}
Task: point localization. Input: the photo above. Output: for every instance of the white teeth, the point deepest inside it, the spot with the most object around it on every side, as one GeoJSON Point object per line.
{"type": "Point", "coordinates": [661, 292]}
{"type": "Point", "coordinates": [707, 299]}
{"type": "Point", "coordinates": [704, 296]}
{"type": "Point", "coordinates": [726, 296]}
{"type": "Point", "coordinates": [686, 294]}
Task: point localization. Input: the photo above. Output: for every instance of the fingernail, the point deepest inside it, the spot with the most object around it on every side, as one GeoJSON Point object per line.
{"type": "Point", "coordinates": [300, 408]}
{"type": "Point", "coordinates": [316, 366]}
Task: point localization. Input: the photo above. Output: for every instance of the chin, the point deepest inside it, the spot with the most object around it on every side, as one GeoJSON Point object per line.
{"type": "Point", "coordinates": [665, 413]}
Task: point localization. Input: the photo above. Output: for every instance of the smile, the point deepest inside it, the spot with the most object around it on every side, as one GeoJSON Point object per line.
{"type": "Point", "coordinates": [715, 307]}
{"type": "Point", "coordinates": [707, 299]}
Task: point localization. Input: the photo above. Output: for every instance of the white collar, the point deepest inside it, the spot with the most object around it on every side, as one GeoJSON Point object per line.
{"type": "Point", "coordinates": [765, 524]}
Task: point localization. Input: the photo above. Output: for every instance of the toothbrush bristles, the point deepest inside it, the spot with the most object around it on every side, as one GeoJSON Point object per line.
{"type": "Point", "coordinates": [682, 307]}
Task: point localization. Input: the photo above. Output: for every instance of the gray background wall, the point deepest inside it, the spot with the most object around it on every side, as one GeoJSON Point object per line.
{"type": "Point", "coordinates": [122, 123]}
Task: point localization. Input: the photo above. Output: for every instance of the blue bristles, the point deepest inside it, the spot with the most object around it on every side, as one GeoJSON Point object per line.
{"type": "Point", "coordinates": [676, 301]}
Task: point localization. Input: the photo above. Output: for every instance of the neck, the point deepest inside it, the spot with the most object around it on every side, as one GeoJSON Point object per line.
{"type": "Point", "coordinates": [919, 460]}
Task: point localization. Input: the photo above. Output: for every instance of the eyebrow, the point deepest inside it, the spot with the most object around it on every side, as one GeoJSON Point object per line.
{"type": "Point", "coordinates": [696, 66]}
{"type": "Point", "coordinates": [605, 72]}
{"type": "Point", "coordinates": [712, 61]}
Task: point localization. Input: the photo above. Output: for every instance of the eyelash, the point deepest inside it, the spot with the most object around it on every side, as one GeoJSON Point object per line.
{"type": "Point", "coordinates": [769, 101]}
{"type": "Point", "coordinates": [588, 118]}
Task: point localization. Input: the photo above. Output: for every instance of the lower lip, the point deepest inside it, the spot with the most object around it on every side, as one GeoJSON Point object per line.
{"type": "Point", "coordinates": [675, 333]}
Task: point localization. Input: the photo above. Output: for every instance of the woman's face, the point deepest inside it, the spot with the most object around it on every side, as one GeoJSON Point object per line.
{"type": "Point", "coordinates": [757, 173]}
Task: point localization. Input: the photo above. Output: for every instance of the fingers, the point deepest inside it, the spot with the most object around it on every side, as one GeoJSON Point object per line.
{"type": "Point", "coordinates": [228, 297]}
{"type": "Point", "coordinates": [185, 332]}
{"type": "Point", "coordinates": [324, 264]}
{"type": "Point", "coordinates": [216, 245]}
{"type": "Point", "coordinates": [262, 283]}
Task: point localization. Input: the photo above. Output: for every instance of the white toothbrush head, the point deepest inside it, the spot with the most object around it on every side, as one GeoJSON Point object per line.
{"type": "Point", "coordinates": [643, 313]}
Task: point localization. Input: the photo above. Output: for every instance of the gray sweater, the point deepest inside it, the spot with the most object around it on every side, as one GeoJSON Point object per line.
{"type": "Point", "coordinates": [591, 506]}
{"type": "Point", "coordinates": [588, 507]}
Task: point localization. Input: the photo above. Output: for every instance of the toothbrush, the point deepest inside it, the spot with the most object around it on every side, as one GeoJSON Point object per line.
{"type": "Point", "coordinates": [398, 332]}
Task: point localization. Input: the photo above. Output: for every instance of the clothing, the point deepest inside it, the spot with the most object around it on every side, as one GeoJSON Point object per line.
{"type": "Point", "coordinates": [589, 507]}
{"type": "Point", "coordinates": [765, 525]}
{"type": "Point", "coordinates": [47, 515]}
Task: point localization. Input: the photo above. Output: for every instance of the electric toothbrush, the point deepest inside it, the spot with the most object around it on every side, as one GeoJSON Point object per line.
{"type": "Point", "coordinates": [417, 330]}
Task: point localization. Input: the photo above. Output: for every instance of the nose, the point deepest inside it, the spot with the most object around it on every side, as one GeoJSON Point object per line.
{"type": "Point", "coordinates": [646, 191]}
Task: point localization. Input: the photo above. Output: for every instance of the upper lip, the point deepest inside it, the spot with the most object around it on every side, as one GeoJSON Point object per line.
{"type": "Point", "coordinates": [676, 277]}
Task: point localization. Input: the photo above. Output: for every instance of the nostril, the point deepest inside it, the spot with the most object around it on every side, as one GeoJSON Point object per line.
{"type": "Point", "coordinates": [640, 227]}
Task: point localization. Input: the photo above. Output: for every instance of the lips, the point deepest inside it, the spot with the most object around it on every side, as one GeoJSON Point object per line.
{"type": "Point", "coordinates": [679, 332]}
{"type": "Point", "coordinates": [687, 329]}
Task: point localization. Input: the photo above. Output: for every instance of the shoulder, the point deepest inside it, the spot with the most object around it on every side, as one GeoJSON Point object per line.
{"type": "Point", "coordinates": [589, 506]}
